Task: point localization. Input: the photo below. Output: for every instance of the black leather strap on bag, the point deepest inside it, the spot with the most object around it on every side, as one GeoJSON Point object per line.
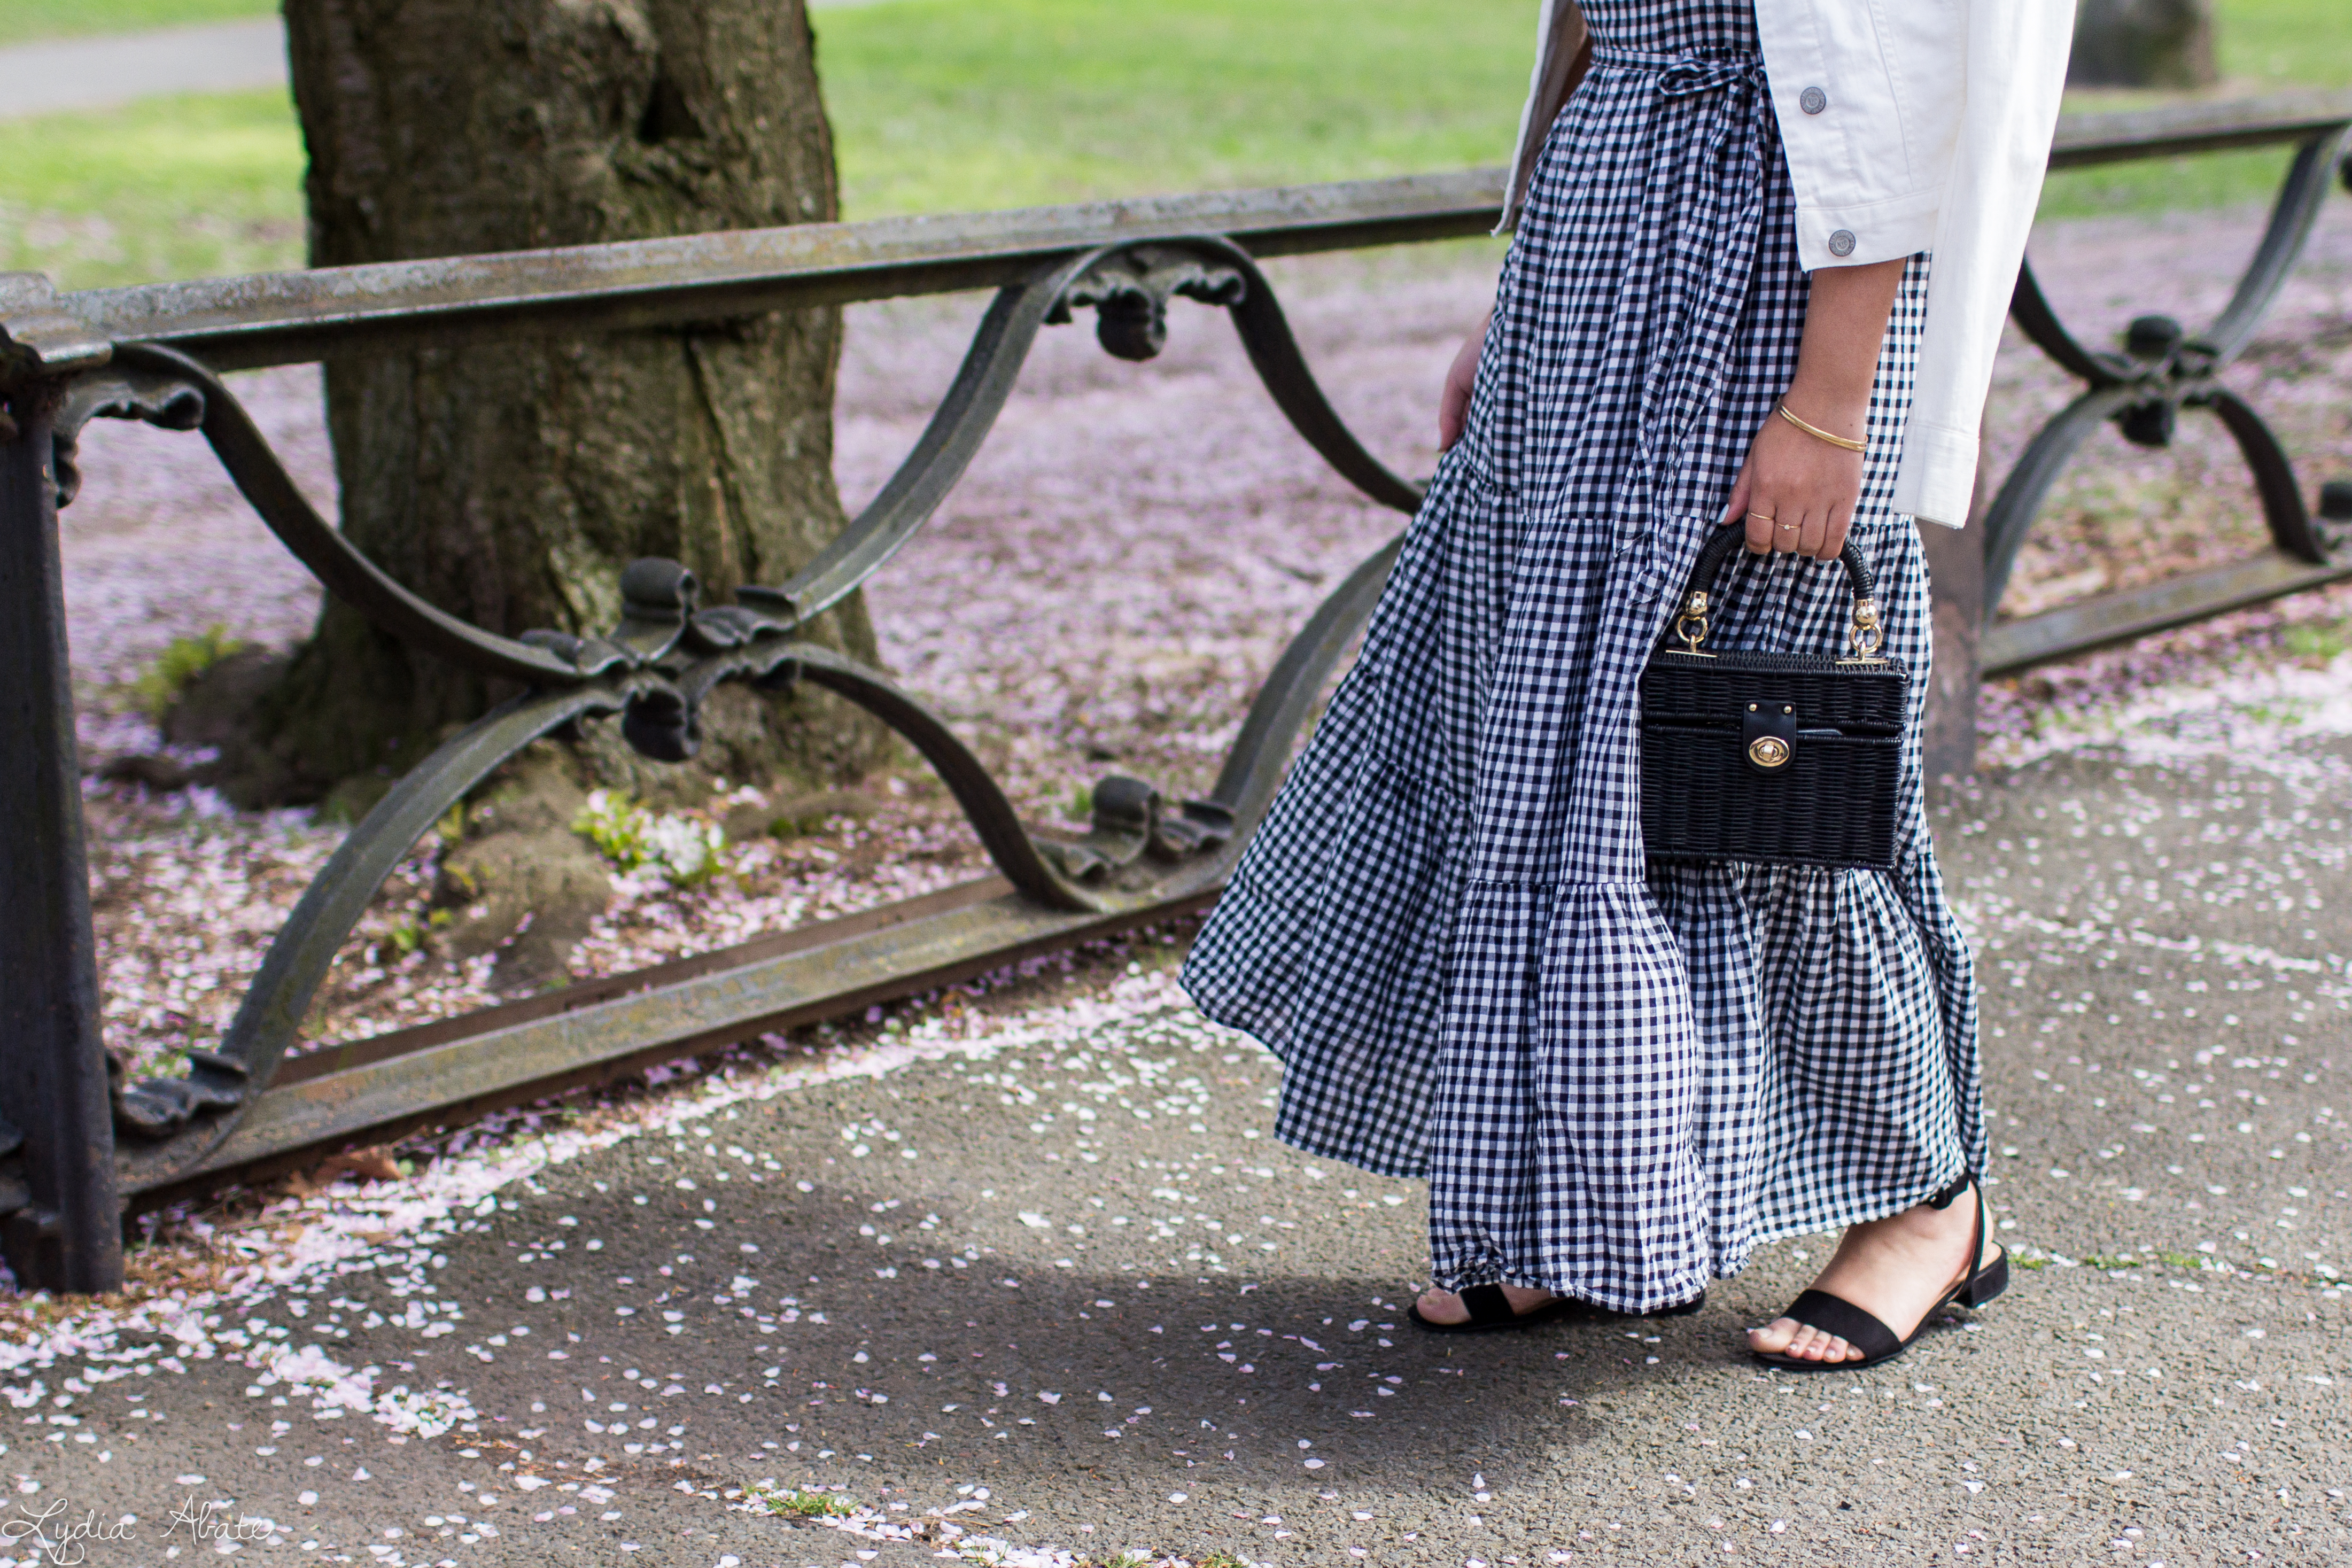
{"type": "Point", "coordinates": [1699, 592]}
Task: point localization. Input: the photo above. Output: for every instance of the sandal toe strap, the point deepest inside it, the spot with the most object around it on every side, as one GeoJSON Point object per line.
{"type": "Point", "coordinates": [1487, 1304]}
{"type": "Point", "coordinates": [1836, 1315]}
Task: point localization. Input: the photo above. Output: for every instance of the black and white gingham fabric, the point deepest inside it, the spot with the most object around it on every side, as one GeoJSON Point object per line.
{"type": "Point", "coordinates": [1616, 1082]}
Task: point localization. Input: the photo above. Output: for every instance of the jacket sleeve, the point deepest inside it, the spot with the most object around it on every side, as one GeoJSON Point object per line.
{"type": "Point", "coordinates": [1563, 53]}
{"type": "Point", "coordinates": [2015, 72]}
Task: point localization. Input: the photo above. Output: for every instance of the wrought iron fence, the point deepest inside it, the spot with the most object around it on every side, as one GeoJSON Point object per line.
{"type": "Point", "coordinates": [75, 1145]}
{"type": "Point", "coordinates": [2161, 369]}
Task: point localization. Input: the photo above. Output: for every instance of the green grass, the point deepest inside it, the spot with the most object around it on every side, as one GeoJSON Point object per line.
{"type": "Point", "coordinates": [946, 105]}
{"type": "Point", "coordinates": [175, 187]}
{"type": "Point", "coordinates": [2159, 184]}
{"type": "Point", "coordinates": [182, 659]}
{"type": "Point", "coordinates": [2317, 643]}
{"type": "Point", "coordinates": [2266, 45]}
{"type": "Point", "coordinates": [22, 20]}
{"type": "Point", "coordinates": [2283, 43]}
{"type": "Point", "coordinates": [800, 1504]}
{"type": "Point", "coordinates": [942, 105]}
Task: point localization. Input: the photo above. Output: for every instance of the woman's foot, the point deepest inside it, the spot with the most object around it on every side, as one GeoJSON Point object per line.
{"type": "Point", "coordinates": [1896, 1269]}
{"type": "Point", "coordinates": [1444, 1308]}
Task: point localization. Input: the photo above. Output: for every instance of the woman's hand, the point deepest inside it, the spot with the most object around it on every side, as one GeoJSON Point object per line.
{"type": "Point", "coordinates": [1796, 492]}
{"type": "Point", "coordinates": [1454, 403]}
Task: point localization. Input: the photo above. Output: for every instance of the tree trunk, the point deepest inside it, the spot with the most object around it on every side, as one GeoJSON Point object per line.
{"type": "Point", "coordinates": [509, 482]}
{"type": "Point", "coordinates": [2144, 43]}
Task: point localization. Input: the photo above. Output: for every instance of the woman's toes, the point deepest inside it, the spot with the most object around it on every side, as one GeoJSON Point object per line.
{"type": "Point", "coordinates": [1443, 1307]}
{"type": "Point", "coordinates": [1800, 1342]}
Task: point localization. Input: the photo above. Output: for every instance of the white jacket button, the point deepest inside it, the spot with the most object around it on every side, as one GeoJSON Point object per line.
{"type": "Point", "coordinates": [1812, 101]}
{"type": "Point", "coordinates": [1841, 242]}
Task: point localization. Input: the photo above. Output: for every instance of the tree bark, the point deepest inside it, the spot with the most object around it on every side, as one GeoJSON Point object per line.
{"type": "Point", "coordinates": [2144, 43]}
{"type": "Point", "coordinates": [509, 482]}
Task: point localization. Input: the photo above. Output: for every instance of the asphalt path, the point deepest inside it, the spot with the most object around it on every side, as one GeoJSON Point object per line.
{"type": "Point", "coordinates": [100, 72]}
{"type": "Point", "coordinates": [1068, 1297]}
{"type": "Point", "coordinates": [106, 69]}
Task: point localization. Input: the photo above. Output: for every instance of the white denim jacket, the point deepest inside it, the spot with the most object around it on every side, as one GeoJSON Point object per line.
{"type": "Point", "coordinates": [1910, 125]}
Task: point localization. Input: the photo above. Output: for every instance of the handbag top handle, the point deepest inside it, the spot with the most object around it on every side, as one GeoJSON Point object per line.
{"type": "Point", "coordinates": [1690, 623]}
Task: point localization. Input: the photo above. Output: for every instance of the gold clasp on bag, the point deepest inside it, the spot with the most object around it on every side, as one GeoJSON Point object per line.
{"type": "Point", "coordinates": [1691, 625]}
{"type": "Point", "coordinates": [1864, 636]}
{"type": "Point", "coordinates": [1771, 749]}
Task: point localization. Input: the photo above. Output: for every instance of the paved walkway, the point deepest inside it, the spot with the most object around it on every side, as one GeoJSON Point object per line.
{"type": "Point", "coordinates": [1045, 1285]}
{"type": "Point", "coordinates": [221, 56]}
{"type": "Point", "coordinates": [101, 72]}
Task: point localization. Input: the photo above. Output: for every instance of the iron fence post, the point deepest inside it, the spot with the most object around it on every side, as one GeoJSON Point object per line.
{"type": "Point", "coordinates": [53, 1069]}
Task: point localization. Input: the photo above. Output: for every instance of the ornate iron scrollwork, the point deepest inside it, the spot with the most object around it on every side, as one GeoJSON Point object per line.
{"type": "Point", "coordinates": [1130, 290]}
{"type": "Point", "coordinates": [160, 1107]}
{"type": "Point", "coordinates": [666, 654]}
{"type": "Point", "coordinates": [2162, 369]}
{"type": "Point", "coordinates": [167, 400]}
{"type": "Point", "coordinates": [1133, 827]}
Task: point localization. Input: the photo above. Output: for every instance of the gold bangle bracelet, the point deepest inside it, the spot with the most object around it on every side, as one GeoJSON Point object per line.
{"type": "Point", "coordinates": [1818, 434]}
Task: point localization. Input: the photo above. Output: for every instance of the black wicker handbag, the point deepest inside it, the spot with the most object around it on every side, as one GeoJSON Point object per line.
{"type": "Point", "coordinates": [1773, 759]}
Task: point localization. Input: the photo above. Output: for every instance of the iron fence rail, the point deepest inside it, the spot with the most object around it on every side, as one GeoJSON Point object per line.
{"type": "Point", "coordinates": [287, 318]}
{"type": "Point", "coordinates": [75, 1145]}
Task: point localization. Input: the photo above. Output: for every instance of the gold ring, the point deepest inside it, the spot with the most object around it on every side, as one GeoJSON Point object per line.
{"type": "Point", "coordinates": [1788, 525]}
{"type": "Point", "coordinates": [1759, 517]}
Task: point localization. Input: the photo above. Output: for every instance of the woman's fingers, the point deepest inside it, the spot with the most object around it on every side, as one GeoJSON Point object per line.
{"type": "Point", "coordinates": [1807, 540]}
{"type": "Point", "coordinates": [1752, 503]}
{"type": "Point", "coordinates": [1786, 521]}
{"type": "Point", "coordinates": [1796, 530]}
{"type": "Point", "coordinates": [1736, 507]}
{"type": "Point", "coordinates": [1795, 494]}
{"type": "Point", "coordinates": [1453, 408]}
{"type": "Point", "coordinates": [1461, 379]}
{"type": "Point", "coordinates": [1793, 527]}
{"type": "Point", "coordinates": [1833, 539]}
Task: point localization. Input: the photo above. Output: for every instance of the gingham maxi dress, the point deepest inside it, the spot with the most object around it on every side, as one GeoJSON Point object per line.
{"type": "Point", "coordinates": [1618, 1080]}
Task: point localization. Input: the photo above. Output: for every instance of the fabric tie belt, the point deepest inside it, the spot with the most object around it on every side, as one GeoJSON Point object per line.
{"type": "Point", "coordinates": [1681, 75]}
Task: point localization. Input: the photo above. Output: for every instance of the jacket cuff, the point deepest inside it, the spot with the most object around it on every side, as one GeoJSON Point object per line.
{"type": "Point", "coordinates": [1937, 480]}
{"type": "Point", "coordinates": [1870, 231]}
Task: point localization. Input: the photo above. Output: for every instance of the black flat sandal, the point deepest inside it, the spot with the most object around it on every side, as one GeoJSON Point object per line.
{"type": "Point", "coordinates": [1490, 1311]}
{"type": "Point", "coordinates": [1865, 1332]}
